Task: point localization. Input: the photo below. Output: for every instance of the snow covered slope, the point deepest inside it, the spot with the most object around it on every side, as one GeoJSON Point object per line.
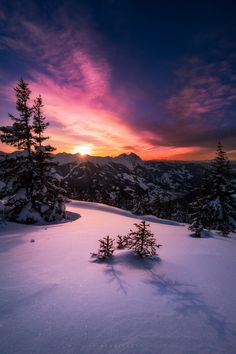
{"type": "Point", "coordinates": [54, 299]}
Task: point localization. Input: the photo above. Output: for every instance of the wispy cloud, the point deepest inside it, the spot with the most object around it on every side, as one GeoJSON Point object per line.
{"type": "Point", "coordinates": [67, 56]}
{"type": "Point", "coordinates": [198, 112]}
{"type": "Point", "coordinates": [73, 77]}
{"type": "Point", "coordinates": [204, 88]}
{"type": "Point", "coordinates": [67, 63]}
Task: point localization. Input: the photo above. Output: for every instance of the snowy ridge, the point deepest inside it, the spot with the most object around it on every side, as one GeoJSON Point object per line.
{"type": "Point", "coordinates": [129, 160]}
{"type": "Point", "coordinates": [126, 213]}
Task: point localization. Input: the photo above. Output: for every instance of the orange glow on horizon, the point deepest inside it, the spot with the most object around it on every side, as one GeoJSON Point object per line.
{"type": "Point", "coordinates": [78, 124]}
{"type": "Point", "coordinates": [82, 150]}
{"type": "Point", "coordinates": [160, 153]}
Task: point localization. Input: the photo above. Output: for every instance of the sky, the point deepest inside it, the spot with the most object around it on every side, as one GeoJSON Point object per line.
{"type": "Point", "coordinates": [157, 78]}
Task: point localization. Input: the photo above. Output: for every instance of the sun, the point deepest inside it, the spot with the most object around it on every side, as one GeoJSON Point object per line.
{"type": "Point", "coordinates": [82, 150]}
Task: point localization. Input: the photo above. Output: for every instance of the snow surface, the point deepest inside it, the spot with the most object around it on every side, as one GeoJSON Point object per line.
{"type": "Point", "coordinates": [55, 299]}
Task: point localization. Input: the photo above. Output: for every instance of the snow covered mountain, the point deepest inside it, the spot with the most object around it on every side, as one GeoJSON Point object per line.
{"type": "Point", "coordinates": [128, 182]}
{"type": "Point", "coordinates": [129, 160]}
{"type": "Point", "coordinates": [161, 188]}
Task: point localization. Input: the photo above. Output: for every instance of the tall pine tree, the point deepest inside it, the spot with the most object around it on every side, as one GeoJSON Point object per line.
{"type": "Point", "coordinates": [17, 168]}
{"type": "Point", "coordinates": [222, 189]}
{"type": "Point", "coordinates": [19, 134]}
{"type": "Point", "coordinates": [39, 121]}
{"type": "Point", "coordinates": [48, 195]}
{"type": "Point", "coordinates": [215, 206]}
{"type": "Point", "coordinates": [26, 171]}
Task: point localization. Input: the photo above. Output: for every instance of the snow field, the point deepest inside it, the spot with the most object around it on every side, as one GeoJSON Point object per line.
{"type": "Point", "coordinates": [55, 299]}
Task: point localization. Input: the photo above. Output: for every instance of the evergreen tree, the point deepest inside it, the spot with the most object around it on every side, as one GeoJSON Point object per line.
{"type": "Point", "coordinates": [106, 248]}
{"type": "Point", "coordinates": [50, 203]}
{"type": "Point", "coordinates": [215, 207]}
{"type": "Point", "coordinates": [2, 216]}
{"type": "Point", "coordinates": [39, 123]}
{"type": "Point", "coordinates": [142, 240]}
{"type": "Point", "coordinates": [122, 242]}
{"type": "Point", "coordinates": [201, 209]}
{"type": "Point", "coordinates": [31, 190]}
{"type": "Point", "coordinates": [19, 134]}
{"type": "Point", "coordinates": [222, 204]}
{"type": "Point", "coordinates": [196, 227]}
{"type": "Point", "coordinates": [157, 206]}
{"type": "Point", "coordinates": [17, 168]}
{"type": "Point", "coordinates": [179, 213]}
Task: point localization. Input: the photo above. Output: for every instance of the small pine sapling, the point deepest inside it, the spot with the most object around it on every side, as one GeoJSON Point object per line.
{"type": "Point", "coordinates": [106, 248]}
{"type": "Point", "coordinates": [122, 242]}
{"type": "Point", "coordinates": [142, 240]}
{"type": "Point", "coordinates": [196, 227]}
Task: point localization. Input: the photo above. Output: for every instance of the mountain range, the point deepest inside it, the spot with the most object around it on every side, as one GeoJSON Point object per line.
{"type": "Point", "coordinates": [128, 182]}
{"type": "Point", "coordinates": [162, 188]}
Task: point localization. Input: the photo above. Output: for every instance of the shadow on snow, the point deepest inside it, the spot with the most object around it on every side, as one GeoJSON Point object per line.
{"type": "Point", "coordinates": [183, 297]}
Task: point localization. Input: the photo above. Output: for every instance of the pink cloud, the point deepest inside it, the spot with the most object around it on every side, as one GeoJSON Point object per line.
{"type": "Point", "coordinates": [73, 75]}
{"type": "Point", "coordinates": [68, 56]}
{"type": "Point", "coordinates": [76, 90]}
{"type": "Point", "coordinates": [81, 121]}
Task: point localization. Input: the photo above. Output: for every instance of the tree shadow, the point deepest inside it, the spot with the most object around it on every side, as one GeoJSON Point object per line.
{"type": "Point", "coordinates": [129, 260]}
{"type": "Point", "coordinates": [115, 276]}
{"type": "Point", "coordinates": [187, 302]}
{"type": "Point", "coordinates": [132, 260]}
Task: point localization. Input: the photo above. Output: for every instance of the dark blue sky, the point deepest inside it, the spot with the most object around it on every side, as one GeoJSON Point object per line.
{"type": "Point", "coordinates": [153, 77]}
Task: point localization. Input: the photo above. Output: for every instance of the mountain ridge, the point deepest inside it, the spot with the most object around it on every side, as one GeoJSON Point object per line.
{"type": "Point", "coordinates": [162, 188]}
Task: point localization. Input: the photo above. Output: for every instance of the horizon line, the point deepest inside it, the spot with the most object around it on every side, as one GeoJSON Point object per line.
{"type": "Point", "coordinates": [124, 153]}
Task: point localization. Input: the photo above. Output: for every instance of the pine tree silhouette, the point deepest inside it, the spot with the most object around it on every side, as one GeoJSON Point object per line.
{"type": "Point", "coordinates": [106, 248]}
{"type": "Point", "coordinates": [32, 191]}
{"type": "Point", "coordinates": [215, 207]}
{"type": "Point", "coordinates": [122, 242]}
{"type": "Point", "coordinates": [142, 240]}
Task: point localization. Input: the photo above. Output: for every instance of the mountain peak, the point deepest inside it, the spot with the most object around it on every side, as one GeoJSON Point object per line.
{"type": "Point", "coordinates": [130, 155]}
{"type": "Point", "coordinates": [130, 160]}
